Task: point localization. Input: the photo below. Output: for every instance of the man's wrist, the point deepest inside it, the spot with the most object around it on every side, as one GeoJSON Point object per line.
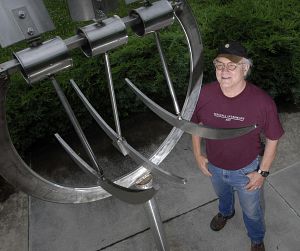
{"type": "Point", "coordinates": [263, 173]}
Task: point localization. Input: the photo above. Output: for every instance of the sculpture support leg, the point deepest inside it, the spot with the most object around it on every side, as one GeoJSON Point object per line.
{"type": "Point", "coordinates": [156, 225]}
{"type": "Point", "coordinates": [153, 216]}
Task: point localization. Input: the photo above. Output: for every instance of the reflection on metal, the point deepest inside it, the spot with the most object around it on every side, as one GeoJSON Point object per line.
{"type": "Point", "coordinates": [130, 1]}
{"type": "Point", "coordinates": [22, 19]}
{"type": "Point", "coordinates": [167, 74]}
{"type": "Point", "coordinates": [15, 170]}
{"type": "Point", "coordinates": [85, 10]}
{"type": "Point", "coordinates": [133, 196]}
{"type": "Point", "coordinates": [77, 127]}
{"type": "Point", "coordinates": [153, 17]}
{"type": "Point", "coordinates": [156, 225]}
{"type": "Point", "coordinates": [187, 126]}
{"type": "Point", "coordinates": [122, 143]}
{"type": "Point", "coordinates": [39, 62]}
{"type": "Point", "coordinates": [153, 216]}
{"type": "Point", "coordinates": [129, 195]}
{"type": "Point", "coordinates": [104, 36]}
{"type": "Point", "coordinates": [112, 95]}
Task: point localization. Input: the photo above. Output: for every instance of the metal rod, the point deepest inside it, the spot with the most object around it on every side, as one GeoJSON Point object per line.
{"type": "Point", "coordinates": [73, 42]}
{"type": "Point", "coordinates": [134, 154]}
{"type": "Point", "coordinates": [76, 126]}
{"type": "Point", "coordinates": [153, 215]}
{"type": "Point", "coordinates": [167, 74]}
{"type": "Point", "coordinates": [112, 94]}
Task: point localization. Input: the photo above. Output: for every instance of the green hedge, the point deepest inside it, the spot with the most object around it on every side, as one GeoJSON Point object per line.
{"type": "Point", "coordinates": [269, 29]}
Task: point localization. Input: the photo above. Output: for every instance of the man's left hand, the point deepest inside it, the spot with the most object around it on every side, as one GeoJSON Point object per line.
{"type": "Point", "coordinates": [256, 181]}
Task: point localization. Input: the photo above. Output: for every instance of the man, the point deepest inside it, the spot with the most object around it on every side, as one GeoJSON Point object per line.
{"type": "Point", "coordinates": [233, 164]}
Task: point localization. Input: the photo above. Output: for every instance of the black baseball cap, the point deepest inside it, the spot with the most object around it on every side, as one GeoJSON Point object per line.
{"type": "Point", "coordinates": [233, 50]}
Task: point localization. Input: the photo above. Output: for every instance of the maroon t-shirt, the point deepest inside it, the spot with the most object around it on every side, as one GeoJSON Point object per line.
{"type": "Point", "coordinates": [252, 106]}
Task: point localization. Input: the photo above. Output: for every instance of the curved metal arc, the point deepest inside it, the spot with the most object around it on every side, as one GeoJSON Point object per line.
{"type": "Point", "coordinates": [133, 196]}
{"type": "Point", "coordinates": [18, 173]}
{"type": "Point", "coordinates": [141, 160]}
{"type": "Point", "coordinates": [101, 122]}
{"type": "Point", "coordinates": [187, 126]}
{"type": "Point", "coordinates": [134, 154]}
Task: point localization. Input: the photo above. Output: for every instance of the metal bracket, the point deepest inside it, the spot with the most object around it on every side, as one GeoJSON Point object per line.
{"type": "Point", "coordinates": [25, 22]}
{"type": "Point", "coordinates": [22, 19]}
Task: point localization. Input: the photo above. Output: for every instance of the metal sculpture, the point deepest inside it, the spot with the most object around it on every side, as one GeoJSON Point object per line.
{"type": "Point", "coordinates": [43, 60]}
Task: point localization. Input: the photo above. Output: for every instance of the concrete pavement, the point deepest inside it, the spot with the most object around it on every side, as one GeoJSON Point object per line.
{"type": "Point", "coordinates": [186, 211]}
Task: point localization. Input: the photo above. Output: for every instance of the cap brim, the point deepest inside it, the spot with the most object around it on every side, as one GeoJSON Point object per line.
{"type": "Point", "coordinates": [232, 58]}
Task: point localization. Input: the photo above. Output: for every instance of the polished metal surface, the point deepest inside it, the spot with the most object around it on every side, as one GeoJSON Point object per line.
{"type": "Point", "coordinates": [130, 195]}
{"type": "Point", "coordinates": [166, 73]}
{"type": "Point", "coordinates": [76, 41]}
{"type": "Point", "coordinates": [103, 37]}
{"type": "Point", "coordinates": [153, 215]}
{"type": "Point", "coordinates": [153, 17]}
{"type": "Point", "coordinates": [134, 196]}
{"type": "Point", "coordinates": [22, 177]}
{"type": "Point", "coordinates": [130, 1]}
{"type": "Point", "coordinates": [77, 127]}
{"type": "Point", "coordinates": [22, 19]}
{"type": "Point", "coordinates": [112, 94]}
{"type": "Point", "coordinates": [156, 225]}
{"type": "Point", "coordinates": [187, 126]}
{"type": "Point", "coordinates": [122, 143]}
{"type": "Point", "coordinates": [84, 10]}
{"type": "Point", "coordinates": [39, 62]}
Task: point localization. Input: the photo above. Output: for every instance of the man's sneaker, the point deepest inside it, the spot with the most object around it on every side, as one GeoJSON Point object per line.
{"type": "Point", "coordinates": [219, 221]}
{"type": "Point", "coordinates": [257, 247]}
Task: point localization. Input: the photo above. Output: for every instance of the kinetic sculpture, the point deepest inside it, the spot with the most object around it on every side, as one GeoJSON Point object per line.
{"type": "Point", "coordinates": [27, 20]}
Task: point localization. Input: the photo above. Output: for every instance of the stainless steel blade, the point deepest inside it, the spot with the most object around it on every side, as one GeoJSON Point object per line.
{"type": "Point", "coordinates": [187, 126]}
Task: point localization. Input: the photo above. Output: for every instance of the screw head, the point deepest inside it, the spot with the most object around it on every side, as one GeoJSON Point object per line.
{"type": "Point", "coordinates": [22, 14]}
{"type": "Point", "coordinates": [30, 31]}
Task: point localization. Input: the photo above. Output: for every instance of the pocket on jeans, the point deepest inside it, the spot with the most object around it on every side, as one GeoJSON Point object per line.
{"type": "Point", "coordinates": [250, 168]}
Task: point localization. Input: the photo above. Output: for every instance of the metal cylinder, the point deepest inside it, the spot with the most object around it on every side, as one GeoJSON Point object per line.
{"type": "Point", "coordinates": [39, 62]}
{"type": "Point", "coordinates": [104, 36]}
{"type": "Point", "coordinates": [153, 215]}
{"type": "Point", "coordinates": [153, 17]}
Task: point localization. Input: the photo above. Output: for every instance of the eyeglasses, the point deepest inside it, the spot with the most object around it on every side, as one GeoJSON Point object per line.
{"type": "Point", "coordinates": [229, 66]}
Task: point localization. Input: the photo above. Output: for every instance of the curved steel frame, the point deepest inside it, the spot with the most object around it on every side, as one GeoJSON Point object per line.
{"type": "Point", "coordinates": [16, 171]}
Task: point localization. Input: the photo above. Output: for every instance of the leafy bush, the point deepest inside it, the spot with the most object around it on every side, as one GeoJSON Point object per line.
{"type": "Point", "coordinates": [271, 32]}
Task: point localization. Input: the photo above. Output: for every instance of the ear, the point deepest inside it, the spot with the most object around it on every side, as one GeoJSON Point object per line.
{"type": "Point", "coordinates": [246, 68]}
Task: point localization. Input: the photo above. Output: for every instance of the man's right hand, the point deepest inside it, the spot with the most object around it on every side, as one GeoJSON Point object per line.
{"type": "Point", "coordinates": [202, 164]}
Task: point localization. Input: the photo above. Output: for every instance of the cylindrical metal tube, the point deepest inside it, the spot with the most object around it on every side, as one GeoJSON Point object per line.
{"type": "Point", "coordinates": [102, 37]}
{"type": "Point", "coordinates": [152, 18]}
{"type": "Point", "coordinates": [39, 62]}
{"type": "Point", "coordinates": [153, 215]}
{"type": "Point", "coordinates": [112, 94]}
{"type": "Point", "coordinates": [167, 74]}
{"type": "Point", "coordinates": [77, 127]}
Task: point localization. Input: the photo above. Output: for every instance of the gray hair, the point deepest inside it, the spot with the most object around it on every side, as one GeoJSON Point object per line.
{"type": "Point", "coordinates": [248, 62]}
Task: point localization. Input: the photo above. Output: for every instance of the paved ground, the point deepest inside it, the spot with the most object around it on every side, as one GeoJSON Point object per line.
{"type": "Point", "coordinates": [112, 225]}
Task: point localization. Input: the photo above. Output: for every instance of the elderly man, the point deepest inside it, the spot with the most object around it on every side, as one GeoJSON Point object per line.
{"type": "Point", "coordinates": [234, 164]}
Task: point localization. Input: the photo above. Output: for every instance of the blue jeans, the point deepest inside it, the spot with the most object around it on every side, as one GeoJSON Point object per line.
{"type": "Point", "coordinates": [225, 182]}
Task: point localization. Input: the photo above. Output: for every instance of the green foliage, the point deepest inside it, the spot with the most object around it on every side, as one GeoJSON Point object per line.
{"type": "Point", "coordinates": [269, 29]}
{"type": "Point", "coordinates": [271, 32]}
